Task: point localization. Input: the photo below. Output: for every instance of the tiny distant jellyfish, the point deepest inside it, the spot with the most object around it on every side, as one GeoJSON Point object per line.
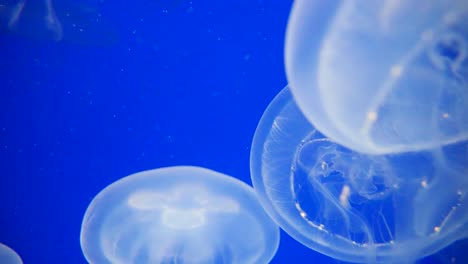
{"type": "Point", "coordinates": [32, 18]}
{"type": "Point", "coordinates": [78, 23]}
{"type": "Point", "coordinates": [352, 206]}
{"type": "Point", "coordinates": [178, 215]}
{"type": "Point", "coordinates": [9, 256]}
{"type": "Point", "coordinates": [381, 77]}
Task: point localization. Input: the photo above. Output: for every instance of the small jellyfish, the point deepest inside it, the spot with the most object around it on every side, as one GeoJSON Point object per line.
{"type": "Point", "coordinates": [8, 255]}
{"type": "Point", "coordinates": [381, 77]}
{"type": "Point", "coordinates": [73, 22]}
{"type": "Point", "coordinates": [352, 206]}
{"type": "Point", "coordinates": [37, 18]}
{"type": "Point", "coordinates": [178, 215]}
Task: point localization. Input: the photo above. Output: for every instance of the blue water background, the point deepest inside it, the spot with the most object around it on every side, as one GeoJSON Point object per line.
{"type": "Point", "coordinates": [153, 84]}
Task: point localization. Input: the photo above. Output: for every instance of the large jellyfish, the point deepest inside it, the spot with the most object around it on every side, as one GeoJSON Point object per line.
{"type": "Point", "coordinates": [8, 255]}
{"type": "Point", "coordinates": [381, 76]}
{"type": "Point", "coordinates": [178, 215]}
{"type": "Point", "coordinates": [357, 207]}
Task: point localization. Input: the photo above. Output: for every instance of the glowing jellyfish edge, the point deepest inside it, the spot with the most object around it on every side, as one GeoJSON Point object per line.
{"type": "Point", "coordinates": [8, 255]}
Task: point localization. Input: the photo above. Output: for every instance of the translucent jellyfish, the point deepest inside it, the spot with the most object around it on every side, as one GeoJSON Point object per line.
{"type": "Point", "coordinates": [178, 215]}
{"type": "Point", "coordinates": [32, 18]}
{"type": "Point", "coordinates": [381, 76]}
{"type": "Point", "coordinates": [357, 207]}
{"type": "Point", "coordinates": [73, 22]}
{"type": "Point", "coordinates": [8, 255]}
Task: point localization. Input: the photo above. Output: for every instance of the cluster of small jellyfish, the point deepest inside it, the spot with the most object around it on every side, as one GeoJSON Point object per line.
{"type": "Point", "coordinates": [363, 157]}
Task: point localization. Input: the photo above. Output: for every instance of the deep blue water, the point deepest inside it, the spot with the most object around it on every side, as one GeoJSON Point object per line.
{"type": "Point", "coordinates": [154, 83]}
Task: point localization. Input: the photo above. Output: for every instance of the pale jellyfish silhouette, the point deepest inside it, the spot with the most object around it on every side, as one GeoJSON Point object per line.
{"type": "Point", "coordinates": [32, 18]}
{"type": "Point", "coordinates": [178, 215]}
{"type": "Point", "coordinates": [73, 22]}
{"type": "Point", "coordinates": [381, 76]}
{"type": "Point", "coordinates": [357, 207]}
{"type": "Point", "coordinates": [8, 255]}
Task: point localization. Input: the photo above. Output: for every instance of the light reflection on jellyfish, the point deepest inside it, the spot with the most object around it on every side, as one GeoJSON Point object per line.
{"type": "Point", "coordinates": [357, 207]}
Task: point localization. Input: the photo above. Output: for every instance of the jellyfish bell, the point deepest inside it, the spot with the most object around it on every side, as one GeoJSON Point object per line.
{"type": "Point", "coordinates": [178, 214]}
{"type": "Point", "coordinates": [8, 255]}
{"type": "Point", "coordinates": [352, 206]}
{"type": "Point", "coordinates": [381, 77]}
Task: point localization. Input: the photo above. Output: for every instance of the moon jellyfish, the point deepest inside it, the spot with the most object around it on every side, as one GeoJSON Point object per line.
{"type": "Point", "coordinates": [352, 206]}
{"type": "Point", "coordinates": [32, 18]}
{"type": "Point", "coordinates": [178, 215]}
{"type": "Point", "coordinates": [381, 76]}
{"type": "Point", "coordinates": [8, 255]}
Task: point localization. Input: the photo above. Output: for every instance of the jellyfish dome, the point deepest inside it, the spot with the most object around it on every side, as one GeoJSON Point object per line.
{"type": "Point", "coordinates": [8, 255]}
{"type": "Point", "coordinates": [381, 76]}
{"type": "Point", "coordinates": [178, 215]}
{"type": "Point", "coordinates": [352, 206]}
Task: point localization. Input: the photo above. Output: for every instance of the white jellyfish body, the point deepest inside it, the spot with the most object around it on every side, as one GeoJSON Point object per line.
{"type": "Point", "coordinates": [8, 255]}
{"type": "Point", "coordinates": [381, 77]}
{"type": "Point", "coordinates": [178, 215]}
{"type": "Point", "coordinates": [352, 206]}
